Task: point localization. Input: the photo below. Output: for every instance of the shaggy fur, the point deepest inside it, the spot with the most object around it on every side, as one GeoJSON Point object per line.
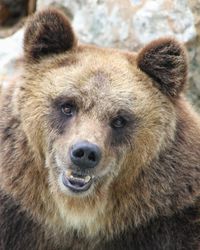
{"type": "Point", "coordinates": [165, 61]}
{"type": "Point", "coordinates": [48, 34]}
{"type": "Point", "coordinates": [146, 191]}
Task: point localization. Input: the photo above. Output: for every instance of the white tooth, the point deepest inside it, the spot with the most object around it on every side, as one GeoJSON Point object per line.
{"type": "Point", "coordinates": [74, 178]}
{"type": "Point", "coordinates": [87, 178]}
{"type": "Point", "coordinates": [68, 173]}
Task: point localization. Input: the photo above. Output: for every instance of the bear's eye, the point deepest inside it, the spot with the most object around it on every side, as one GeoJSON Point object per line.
{"type": "Point", "coordinates": [68, 109]}
{"type": "Point", "coordinates": [118, 122]}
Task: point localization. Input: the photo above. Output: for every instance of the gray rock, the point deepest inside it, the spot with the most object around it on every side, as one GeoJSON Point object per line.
{"type": "Point", "coordinates": [128, 24]}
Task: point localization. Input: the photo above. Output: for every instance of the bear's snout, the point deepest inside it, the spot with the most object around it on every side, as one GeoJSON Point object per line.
{"type": "Point", "coordinates": [85, 155]}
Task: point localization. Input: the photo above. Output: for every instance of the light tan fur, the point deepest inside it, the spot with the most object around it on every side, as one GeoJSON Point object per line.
{"type": "Point", "coordinates": [138, 180]}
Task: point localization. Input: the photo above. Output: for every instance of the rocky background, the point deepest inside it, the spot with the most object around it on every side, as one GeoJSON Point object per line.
{"type": "Point", "coordinates": [126, 24]}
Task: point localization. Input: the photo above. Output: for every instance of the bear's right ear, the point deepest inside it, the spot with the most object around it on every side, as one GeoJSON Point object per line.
{"type": "Point", "coordinates": [48, 32]}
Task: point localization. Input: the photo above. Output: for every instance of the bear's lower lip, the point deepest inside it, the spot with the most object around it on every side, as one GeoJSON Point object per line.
{"type": "Point", "coordinates": [77, 184]}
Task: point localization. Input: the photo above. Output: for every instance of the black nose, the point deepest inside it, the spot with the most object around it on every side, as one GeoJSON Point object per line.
{"type": "Point", "coordinates": [85, 154]}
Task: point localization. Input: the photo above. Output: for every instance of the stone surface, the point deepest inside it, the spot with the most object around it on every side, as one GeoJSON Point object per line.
{"type": "Point", "coordinates": [127, 24]}
{"type": "Point", "coordinates": [194, 52]}
{"type": "Point", "coordinates": [10, 55]}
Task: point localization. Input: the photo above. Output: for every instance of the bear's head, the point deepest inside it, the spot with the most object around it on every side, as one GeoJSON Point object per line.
{"type": "Point", "coordinates": [95, 117]}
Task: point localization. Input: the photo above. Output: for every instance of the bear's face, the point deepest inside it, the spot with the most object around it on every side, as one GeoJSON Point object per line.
{"type": "Point", "coordinates": [99, 101]}
{"type": "Point", "coordinates": [95, 116]}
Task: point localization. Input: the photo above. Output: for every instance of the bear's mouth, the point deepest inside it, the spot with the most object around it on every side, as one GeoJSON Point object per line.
{"type": "Point", "coordinates": [76, 182]}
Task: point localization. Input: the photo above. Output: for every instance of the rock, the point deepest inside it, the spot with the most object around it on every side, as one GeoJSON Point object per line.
{"type": "Point", "coordinates": [11, 53]}
{"type": "Point", "coordinates": [194, 52]}
{"type": "Point", "coordinates": [128, 23]}
{"type": "Point", "coordinates": [13, 15]}
{"type": "Point", "coordinates": [162, 18]}
{"type": "Point", "coordinates": [13, 9]}
{"type": "Point", "coordinates": [4, 13]}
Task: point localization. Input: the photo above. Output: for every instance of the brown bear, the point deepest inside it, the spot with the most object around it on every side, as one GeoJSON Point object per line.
{"type": "Point", "coordinates": [99, 148]}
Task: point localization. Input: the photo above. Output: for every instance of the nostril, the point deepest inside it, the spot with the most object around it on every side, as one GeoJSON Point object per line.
{"type": "Point", "coordinates": [92, 156]}
{"type": "Point", "coordinates": [85, 155]}
{"type": "Point", "coordinates": [79, 153]}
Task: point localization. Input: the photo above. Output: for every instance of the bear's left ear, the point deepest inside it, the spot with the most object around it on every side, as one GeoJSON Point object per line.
{"type": "Point", "coordinates": [48, 32]}
{"type": "Point", "coordinates": [165, 61]}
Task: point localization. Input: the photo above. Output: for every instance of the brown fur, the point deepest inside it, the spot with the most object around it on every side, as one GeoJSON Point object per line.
{"type": "Point", "coordinates": [48, 33]}
{"type": "Point", "coordinates": [165, 61]}
{"type": "Point", "coordinates": [147, 192]}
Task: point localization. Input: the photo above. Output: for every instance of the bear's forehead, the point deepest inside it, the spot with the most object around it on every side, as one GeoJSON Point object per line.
{"type": "Point", "coordinates": [96, 70]}
{"type": "Point", "coordinates": [94, 89]}
{"type": "Point", "coordinates": [94, 86]}
{"type": "Point", "coordinates": [97, 77]}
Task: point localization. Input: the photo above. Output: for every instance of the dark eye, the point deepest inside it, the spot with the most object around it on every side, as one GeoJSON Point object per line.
{"type": "Point", "coordinates": [118, 122]}
{"type": "Point", "coordinates": [68, 109]}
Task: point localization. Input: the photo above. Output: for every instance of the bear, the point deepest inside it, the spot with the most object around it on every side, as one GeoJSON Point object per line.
{"type": "Point", "coordinates": [100, 148]}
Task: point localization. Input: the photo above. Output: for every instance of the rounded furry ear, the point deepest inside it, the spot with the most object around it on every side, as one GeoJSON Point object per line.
{"type": "Point", "coordinates": [165, 61]}
{"type": "Point", "coordinates": [48, 32]}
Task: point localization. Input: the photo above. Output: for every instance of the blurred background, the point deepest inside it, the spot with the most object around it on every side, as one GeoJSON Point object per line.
{"type": "Point", "coordinates": [125, 24]}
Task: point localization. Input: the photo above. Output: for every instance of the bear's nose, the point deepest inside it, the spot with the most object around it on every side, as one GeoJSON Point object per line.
{"type": "Point", "coordinates": [85, 154]}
